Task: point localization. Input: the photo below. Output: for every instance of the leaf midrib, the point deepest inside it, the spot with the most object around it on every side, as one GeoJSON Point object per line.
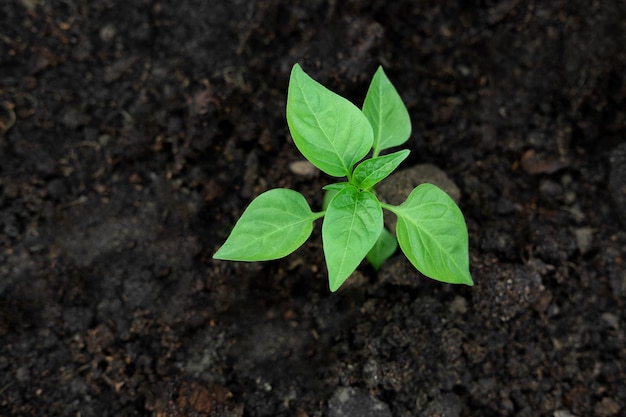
{"type": "Point", "coordinates": [332, 144]}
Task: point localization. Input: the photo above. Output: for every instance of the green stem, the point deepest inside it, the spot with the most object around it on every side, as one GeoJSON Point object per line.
{"type": "Point", "coordinates": [389, 207]}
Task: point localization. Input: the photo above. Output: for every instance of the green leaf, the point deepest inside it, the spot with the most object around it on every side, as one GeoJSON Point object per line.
{"type": "Point", "coordinates": [386, 112]}
{"type": "Point", "coordinates": [371, 171]}
{"type": "Point", "coordinates": [431, 232]}
{"type": "Point", "coordinates": [353, 222]}
{"type": "Point", "coordinates": [383, 249]}
{"type": "Point", "coordinates": [332, 133]}
{"type": "Point", "coordinates": [275, 224]}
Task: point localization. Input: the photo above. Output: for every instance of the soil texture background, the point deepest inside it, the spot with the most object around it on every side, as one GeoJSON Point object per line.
{"type": "Point", "coordinates": [134, 133]}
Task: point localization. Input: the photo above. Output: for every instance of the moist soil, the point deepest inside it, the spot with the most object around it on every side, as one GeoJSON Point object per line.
{"type": "Point", "coordinates": [134, 133]}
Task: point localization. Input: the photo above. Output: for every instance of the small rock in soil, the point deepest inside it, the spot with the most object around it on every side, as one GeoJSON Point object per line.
{"type": "Point", "coordinates": [550, 189]}
{"type": "Point", "coordinates": [584, 239]}
{"type": "Point", "coordinates": [562, 413]}
{"type": "Point", "coordinates": [458, 305]}
{"type": "Point", "coordinates": [611, 320]}
{"type": "Point", "coordinates": [304, 169]}
{"type": "Point", "coordinates": [352, 402]}
{"type": "Point", "coordinates": [22, 374]}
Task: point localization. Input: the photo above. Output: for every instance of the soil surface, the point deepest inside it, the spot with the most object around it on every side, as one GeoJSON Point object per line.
{"type": "Point", "coordinates": [134, 133]}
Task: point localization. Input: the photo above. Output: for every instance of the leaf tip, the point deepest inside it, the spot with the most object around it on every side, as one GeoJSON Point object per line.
{"type": "Point", "coordinates": [225, 253]}
{"type": "Point", "coordinates": [296, 66]}
{"type": "Point", "coordinates": [336, 280]}
{"type": "Point", "coordinates": [467, 280]}
{"type": "Point", "coordinates": [219, 255]}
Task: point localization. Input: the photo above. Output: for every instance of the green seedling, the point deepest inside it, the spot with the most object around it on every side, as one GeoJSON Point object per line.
{"type": "Point", "coordinates": [335, 136]}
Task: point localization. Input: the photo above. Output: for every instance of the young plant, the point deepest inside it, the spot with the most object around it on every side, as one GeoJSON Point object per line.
{"type": "Point", "coordinates": [335, 136]}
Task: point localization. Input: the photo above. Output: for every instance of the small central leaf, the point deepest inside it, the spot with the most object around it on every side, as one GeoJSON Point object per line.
{"type": "Point", "coordinates": [353, 222]}
{"type": "Point", "coordinates": [332, 133]}
{"type": "Point", "coordinates": [371, 171]}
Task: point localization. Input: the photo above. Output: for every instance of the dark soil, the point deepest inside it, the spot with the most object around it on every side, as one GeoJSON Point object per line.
{"type": "Point", "coordinates": [134, 133]}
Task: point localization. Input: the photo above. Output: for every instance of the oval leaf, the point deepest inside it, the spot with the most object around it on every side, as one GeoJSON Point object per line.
{"type": "Point", "coordinates": [371, 171]}
{"type": "Point", "coordinates": [432, 233]}
{"type": "Point", "coordinates": [332, 133]}
{"type": "Point", "coordinates": [275, 224]}
{"type": "Point", "coordinates": [352, 224]}
{"type": "Point", "coordinates": [386, 112]}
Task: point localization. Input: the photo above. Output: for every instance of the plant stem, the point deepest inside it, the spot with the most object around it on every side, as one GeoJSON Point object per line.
{"type": "Point", "coordinates": [388, 207]}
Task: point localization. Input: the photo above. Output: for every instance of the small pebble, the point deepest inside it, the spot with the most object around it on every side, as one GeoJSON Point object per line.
{"type": "Point", "coordinates": [611, 319]}
{"type": "Point", "coordinates": [353, 402]}
{"type": "Point", "coordinates": [563, 413]}
{"type": "Point", "coordinates": [584, 239]}
{"type": "Point", "coordinates": [303, 168]}
{"type": "Point", "coordinates": [107, 33]}
{"type": "Point", "coordinates": [458, 305]}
